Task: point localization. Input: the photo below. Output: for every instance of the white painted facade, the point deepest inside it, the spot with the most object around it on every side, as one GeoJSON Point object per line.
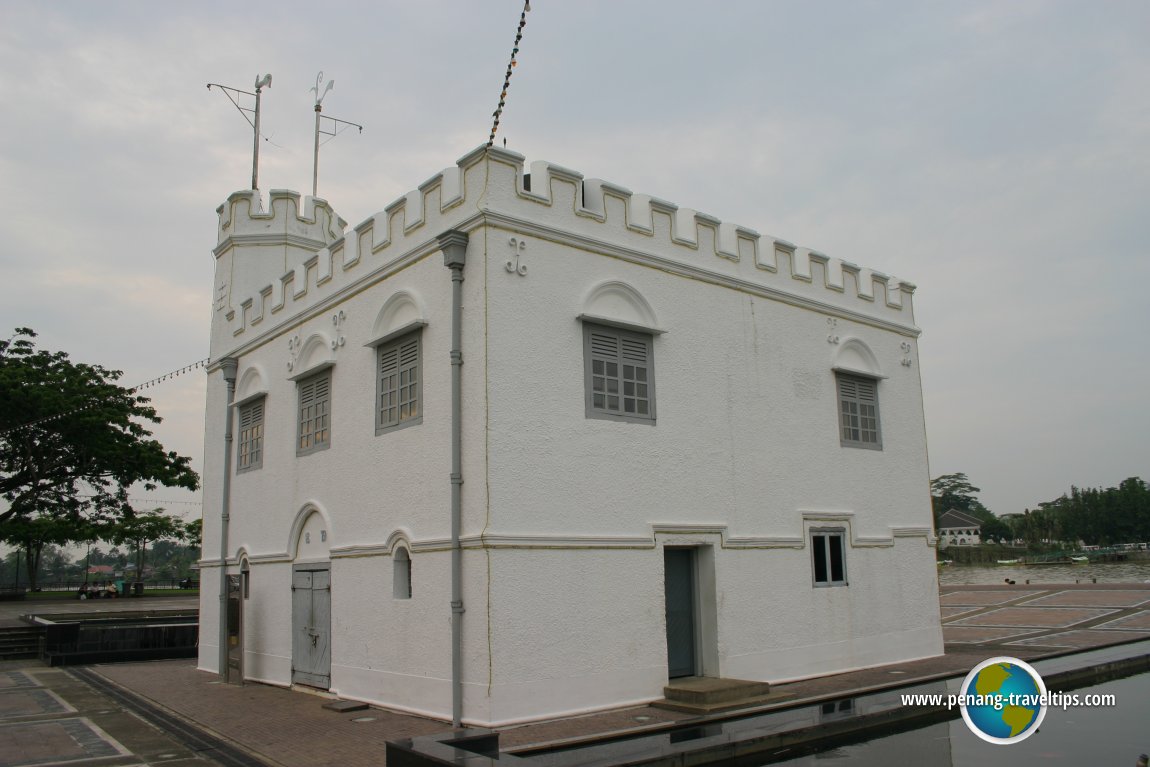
{"type": "Point", "coordinates": [564, 516]}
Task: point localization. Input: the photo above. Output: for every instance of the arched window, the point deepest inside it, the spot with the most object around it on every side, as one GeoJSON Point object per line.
{"type": "Point", "coordinates": [246, 578]}
{"type": "Point", "coordinates": [401, 579]}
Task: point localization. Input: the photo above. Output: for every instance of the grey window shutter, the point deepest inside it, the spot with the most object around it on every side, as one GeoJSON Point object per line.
{"type": "Point", "coordinates": [619, 377]}
{"type": "Point", "coordinates": [399, 383]}
{"type": "Point", "coordinates": [858, 412]}
{"type": "Point", "coordinates": [315, 412]}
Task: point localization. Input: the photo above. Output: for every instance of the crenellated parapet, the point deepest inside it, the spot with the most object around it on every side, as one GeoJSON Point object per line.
{"type": "Point", "coordinates": [296, 254]}
{"type": "Point", "coordinates": [243, 215]}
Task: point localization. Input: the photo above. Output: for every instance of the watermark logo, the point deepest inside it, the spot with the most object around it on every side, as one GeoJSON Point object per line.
{"type": "Point", "coordinates": [1003, 700]}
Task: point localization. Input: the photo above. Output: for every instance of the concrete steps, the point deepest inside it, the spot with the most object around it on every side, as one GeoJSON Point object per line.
{"type": "Point", "coordinates": [708, 695]}
{"type": "Point", "coordinates": [18, 643]}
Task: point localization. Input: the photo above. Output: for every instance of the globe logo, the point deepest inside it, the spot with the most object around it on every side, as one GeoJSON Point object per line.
{"type": "Point", "coordinates": [1003, 700]}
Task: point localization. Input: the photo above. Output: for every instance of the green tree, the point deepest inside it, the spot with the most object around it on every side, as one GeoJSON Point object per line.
{"type": "Point", "coordinates": [72, 441]}
{"type": "Point", "coordinates": [138, 530]}
{"type": "Point", "coordinates": [195, 532]}
{"type": "Point", "coordinates": [954, 491]}
{"type": "Point", "coordinates": [1099, 516]}
{"type": "Point", "coordinates": [35, 535]}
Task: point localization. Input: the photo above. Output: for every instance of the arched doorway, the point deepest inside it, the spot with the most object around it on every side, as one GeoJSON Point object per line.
{"type": "Point", "coordinates": [311, 602]}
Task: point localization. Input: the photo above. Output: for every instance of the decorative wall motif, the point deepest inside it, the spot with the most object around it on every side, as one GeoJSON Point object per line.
{"type": "Point", "coordinates": [337, 320]}
{"type": "Point", "coordinates": [293, 352]}
{"type": "Point", "coordinates": [906, 348]}
{"type": "Point", "coordinates": [517, 246]}
{"type": "Point", "coordinates": [832, 328]}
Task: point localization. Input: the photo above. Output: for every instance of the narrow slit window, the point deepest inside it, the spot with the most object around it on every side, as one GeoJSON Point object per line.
{"type": "Point", "coordinates": [401, 580]}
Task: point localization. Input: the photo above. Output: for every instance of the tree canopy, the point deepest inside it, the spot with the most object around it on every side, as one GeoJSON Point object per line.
{"type": "Point", "coordinates": [1095, 516]}
{"type": "Point", "coordinates": [955, 491]}
{"type": "Point", "coordinates": [72, 440]}
{"type": "Point", "coordinates": [144, 528]}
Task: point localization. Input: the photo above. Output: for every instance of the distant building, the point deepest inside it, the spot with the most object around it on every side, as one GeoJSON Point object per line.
{"type": "Point", "coordinates": [685, 448]}
{"type": "Point", "coordinates": [959, 529]}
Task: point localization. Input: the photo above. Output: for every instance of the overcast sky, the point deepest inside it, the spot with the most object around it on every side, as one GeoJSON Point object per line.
{"type": "Point", "coordinates": [997, 154]}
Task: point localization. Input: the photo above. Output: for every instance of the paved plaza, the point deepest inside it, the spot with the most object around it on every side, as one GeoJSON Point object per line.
{"type": "Point", "coordinates": [168, 713]}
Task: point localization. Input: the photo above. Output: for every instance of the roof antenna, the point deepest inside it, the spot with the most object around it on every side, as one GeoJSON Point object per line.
{"type": "Point", "coordinates": [507, 78]}
{"type": "Point", "coordinates": [318, 129]}
{"type": "Point", "coordinates": [233, 95]}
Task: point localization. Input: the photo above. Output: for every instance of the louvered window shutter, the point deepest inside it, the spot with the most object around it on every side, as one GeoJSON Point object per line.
{"type": "Point", "coordinates": [619, 375]}
{"type": "Point", "coordinates": [399, 382]}
{"type": "Point", "coordinates": [315, 411]}
{"type": "Point", "coordinates": [858, 411]}
{"type": "Point", "coordinates": [250, 447]}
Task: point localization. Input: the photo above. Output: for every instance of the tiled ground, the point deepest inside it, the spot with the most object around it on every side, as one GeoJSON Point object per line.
{"type": "Point", "coordinates": [54, 742]}
{"type": "Point", "coordinates": [954, 612]}
{"type": "Point", "coordinates": [1036, 617]}
{"type": "Point", "coordinates": [1084, 638]}
{"type": "Point", "coordinates": [49, 717]}
{"type": "Point", "coordinates": [981, 598]}
{"type": "Point", "coordinates": [1092, 598]}
{"type": "Point", "coordinates": [979, 634]}
{"type": "Point", "coordinates": [1013, 619]}
{"type": "Point", "coordinates": [1134, 622]}
{"type": "Point", "coordinates": [10, 680]}
{"type": "Point", "coordinates": [31, 702]}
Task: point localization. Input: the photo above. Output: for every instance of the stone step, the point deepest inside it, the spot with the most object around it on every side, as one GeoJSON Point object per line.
{"type": "Point", "coordinates": [19, 643]}
{"type": "Point", "coordinates": [706, 695]}
{"type": "Point", "coordinates": [705, 689]}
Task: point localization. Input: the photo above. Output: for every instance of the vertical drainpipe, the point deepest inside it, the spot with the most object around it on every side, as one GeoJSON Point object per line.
{"type": "Point", "coordinates": [229, 366]}
{"type": "Point", "coordinates": [453, 243]}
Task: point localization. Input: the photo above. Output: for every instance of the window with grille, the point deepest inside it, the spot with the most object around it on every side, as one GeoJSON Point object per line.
{"type": "Point", "coordinates": [314, 413]}
{"type": "Point", "coordinates": [620, 374]}
{"type": "Point", "coordinates": [828, 556]}
{"type": "Point", "coordinates": [858, 412]}
{"type": "Point", "coordinates": [250, 447]}
{"type": "Point", "coordinates": [398, 385]}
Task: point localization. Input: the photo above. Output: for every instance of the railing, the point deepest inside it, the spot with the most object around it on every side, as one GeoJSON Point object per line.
{"type": "Point", "coordinates": [1092, 554]}
{"type": "Point", "coordinates": [162, 584]}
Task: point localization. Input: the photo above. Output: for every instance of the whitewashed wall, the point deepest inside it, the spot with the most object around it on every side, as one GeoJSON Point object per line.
{"type": "Point", "coordinates": [567, 515]}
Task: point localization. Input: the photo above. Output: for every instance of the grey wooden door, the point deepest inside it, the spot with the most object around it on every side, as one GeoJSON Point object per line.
{"type": "Point", "coordinates": [679, 589]}
{"type": "Point", "coordinates": [311, 626]}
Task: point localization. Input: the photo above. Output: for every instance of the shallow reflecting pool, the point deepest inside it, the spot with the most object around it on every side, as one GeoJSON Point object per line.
{"type": "Point", "coordinates": [1108, 737]}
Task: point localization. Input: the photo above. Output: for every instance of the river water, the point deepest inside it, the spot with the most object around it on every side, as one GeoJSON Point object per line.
{"type": "Point", "coordinates": [1100, 572]}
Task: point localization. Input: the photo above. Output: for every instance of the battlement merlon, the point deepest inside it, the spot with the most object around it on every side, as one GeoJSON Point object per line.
{"type": "Point", "coordinates": [296, 258]}
{"type": "Point", "coordinates": [243, 215]}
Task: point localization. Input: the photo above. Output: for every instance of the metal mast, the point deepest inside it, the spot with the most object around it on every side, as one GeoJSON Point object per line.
{"type": "Point", "coordinates": [233, 95]}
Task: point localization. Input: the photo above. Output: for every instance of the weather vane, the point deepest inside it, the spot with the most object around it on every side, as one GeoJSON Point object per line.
{"type": "Point", "coordinates": [234, 94]}
{"type": "Point", "coordinates": [319, 96]}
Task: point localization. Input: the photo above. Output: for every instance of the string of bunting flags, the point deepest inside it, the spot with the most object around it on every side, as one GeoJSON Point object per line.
{"type": "Point", "coordinates": [146, 385]}
{"type": "Point", "coordinates": [510, 67]}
